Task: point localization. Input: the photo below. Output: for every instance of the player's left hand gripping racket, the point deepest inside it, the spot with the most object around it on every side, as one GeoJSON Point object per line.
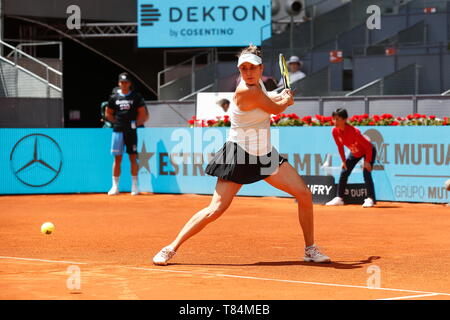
{"type": "Point", "coordinates": [284, 71]}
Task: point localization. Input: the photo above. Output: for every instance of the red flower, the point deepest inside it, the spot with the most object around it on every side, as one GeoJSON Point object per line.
{"type": "Point", "coordinates": [191, 122]}
{"type": "Point", "coordinates": [399, 118]}
{"type": "Point", "coordinates": [417, 116]}
{"type": "Point", "coordinates": [319, 117]}
{"type": "Point", "coordinates": [371, 123]}
{"type": "Point", "coordinates": [432, 117]}
{"type": "Point", "coordinates": [395, 123]}
{"type": "Point", "coordinates": [410, 116]}
{"type": "Point", "coordinates": [424, 116]}
{"type": "Point", "coordinates": [355, 118]}
{"type": "Point", "coordinates": [376, 118]}
{"type": "Point", "coordinates": [307, 119]}
{"type": "Point", "coordinates": [365, 116]}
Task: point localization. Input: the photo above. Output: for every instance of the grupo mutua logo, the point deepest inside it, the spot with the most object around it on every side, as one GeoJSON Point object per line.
{"type": "Point", "coordinates": [377, 139]}
{"type": "Point", "coordinates": [149, 15]}
{"type": "Point", "coordinates": [36, 160]}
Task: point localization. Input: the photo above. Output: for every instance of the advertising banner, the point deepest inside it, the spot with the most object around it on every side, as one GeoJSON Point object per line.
{"type": "Point", "coordinates": [412, 163]}
{"type": "Point", "coordinates": [203, 23]}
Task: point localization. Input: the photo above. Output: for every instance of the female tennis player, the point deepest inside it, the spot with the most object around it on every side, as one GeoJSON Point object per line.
{"type": "Point", "coordinates": [345, 134]}
{"type": "Point", "coordinates": [247, 157]}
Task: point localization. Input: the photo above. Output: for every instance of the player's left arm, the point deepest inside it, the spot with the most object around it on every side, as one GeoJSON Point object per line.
{"type": "Point", "coordinates": [142, 115]}
{"type": "Point", "coordinates": [142, 112]}
{"type": "Point", "coordinates": [274, 96]}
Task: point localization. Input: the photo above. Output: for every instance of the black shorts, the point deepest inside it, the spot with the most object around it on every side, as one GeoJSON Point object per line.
{"type": "Point", "coordinates": [234, 164]}
{"type": "Point", "coordinates": [120, 139]}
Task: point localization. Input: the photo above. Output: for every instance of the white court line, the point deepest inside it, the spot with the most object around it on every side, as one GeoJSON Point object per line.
{"type": "Point", "coordinates": [41, 260]}
{"type": "Point", "coordinates": [412, 297]}
{"type": "Point", "coordinates": [425, 293]}
{"type": "Point", "coordinates": [288, 281]}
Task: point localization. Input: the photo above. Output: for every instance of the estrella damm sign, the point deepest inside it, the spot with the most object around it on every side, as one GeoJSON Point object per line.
{"type": "Point", "coordinates": [203, 23]}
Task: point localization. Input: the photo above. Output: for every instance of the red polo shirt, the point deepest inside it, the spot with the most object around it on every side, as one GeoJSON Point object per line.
{"type": "Point", "coordinates": [352, 138]}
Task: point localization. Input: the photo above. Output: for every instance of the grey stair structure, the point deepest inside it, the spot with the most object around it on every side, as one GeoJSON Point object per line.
{"type": "Point", "coordinates": [22, 75]}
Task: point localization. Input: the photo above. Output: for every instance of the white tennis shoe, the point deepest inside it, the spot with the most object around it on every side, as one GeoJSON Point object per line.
{"type": "Point", "coordinates": [312, 254]}
{"type": "Point", "coordinates": [162, 257]}
{"type": "Point", "coordinates": [113, 191]}
{"type": "Point", "coordinates": [337, 201]}
{"type": "Point", "coordinates": [368, 203]}
{"type": "Point", "coordinates": [134, 190]}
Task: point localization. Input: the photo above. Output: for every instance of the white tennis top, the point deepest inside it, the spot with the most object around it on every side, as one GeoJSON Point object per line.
{"type": "Point", "coordinates": [251, 129]}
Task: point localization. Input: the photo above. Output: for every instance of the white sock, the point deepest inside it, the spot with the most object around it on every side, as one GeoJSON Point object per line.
{"type": "Point", "coordinates": [134, 180]}
{"type": "Point", "coordinates": [115, 181]}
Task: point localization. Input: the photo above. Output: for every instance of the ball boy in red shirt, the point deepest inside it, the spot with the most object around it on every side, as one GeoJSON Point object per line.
{"type": "Point", "coordinates": [360, 147]}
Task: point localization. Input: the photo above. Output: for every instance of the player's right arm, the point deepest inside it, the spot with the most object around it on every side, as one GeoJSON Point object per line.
{"type": "Point", "coordinates": [109, 115]}
{"type": "Point", "coordinates": [109, 111]}
{"type": "Point", "coordinates": [252, 97]}
{"type": "Point", "coordinates": [340, 147]}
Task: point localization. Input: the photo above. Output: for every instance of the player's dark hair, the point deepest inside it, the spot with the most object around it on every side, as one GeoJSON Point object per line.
{"type": "Point", "coordinates": [251, 49]}
{"type": "Point", "coordinates": [221, 102]}
{"type": "Point", "coordinates": [340, 112]}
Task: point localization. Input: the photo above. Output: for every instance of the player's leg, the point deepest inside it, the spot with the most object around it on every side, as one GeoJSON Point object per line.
{"type": "Point", "coordinates": [130, 138]}
{"type": "Point", "coordinates": [221, 200]}
{"type": "Point", "coordinates": [350, 163]}
{"type": "Point", "coordinates": [288, 180]}
{"type": "Point", "coordinates": [371, 199]}
{"type": "Point", "coordinates": [117, 145]}
{"type": "Point", "coordinates": [116, 166]}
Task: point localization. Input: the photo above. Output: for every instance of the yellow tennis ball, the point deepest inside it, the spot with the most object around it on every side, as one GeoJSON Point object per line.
{"type": "Point", "coordinates": [48, 228]}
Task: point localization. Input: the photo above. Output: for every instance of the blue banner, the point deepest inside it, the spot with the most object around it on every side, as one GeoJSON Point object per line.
{"type": "Point", "coordinates": [412, 164]}
{"type": "Point", "coordinates": [203, 23]}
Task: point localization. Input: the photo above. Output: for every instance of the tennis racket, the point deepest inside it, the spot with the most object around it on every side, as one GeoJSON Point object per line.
{"type": "Point", "coordinates": [284, 71]}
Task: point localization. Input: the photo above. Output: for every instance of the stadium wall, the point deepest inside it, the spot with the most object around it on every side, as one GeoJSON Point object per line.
{"type": "Point", "coordinates": [31, 113]}
{"type": "Point", "coordinates": [412, 163]}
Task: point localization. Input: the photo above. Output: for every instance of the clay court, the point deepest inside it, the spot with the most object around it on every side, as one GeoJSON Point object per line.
{"type": "Point", "coordinates": [254, 251]}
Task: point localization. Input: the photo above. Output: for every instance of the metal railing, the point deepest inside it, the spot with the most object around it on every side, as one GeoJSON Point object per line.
{"type": "Point", "coordinates": [188, 76]}
{"type": "Point", "coordinates": [19, 80]}
{"type": "Point", "coordinates": [403, 81]}
{"type": "Point", "coordinates": [33, 45]}
{"type": "Point", "coordinates": [204, 89]}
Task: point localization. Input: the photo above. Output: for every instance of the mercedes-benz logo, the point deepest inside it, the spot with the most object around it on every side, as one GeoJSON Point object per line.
{"type": "Point", "coordinates": [36, 160]}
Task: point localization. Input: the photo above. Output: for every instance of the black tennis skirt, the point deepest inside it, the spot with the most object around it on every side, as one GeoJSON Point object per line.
{"type": "Point", "coordinates": [234, 164]}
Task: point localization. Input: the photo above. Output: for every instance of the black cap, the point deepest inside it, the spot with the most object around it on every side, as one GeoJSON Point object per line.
{"type": "Point", "coordinates": [124, 77]}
